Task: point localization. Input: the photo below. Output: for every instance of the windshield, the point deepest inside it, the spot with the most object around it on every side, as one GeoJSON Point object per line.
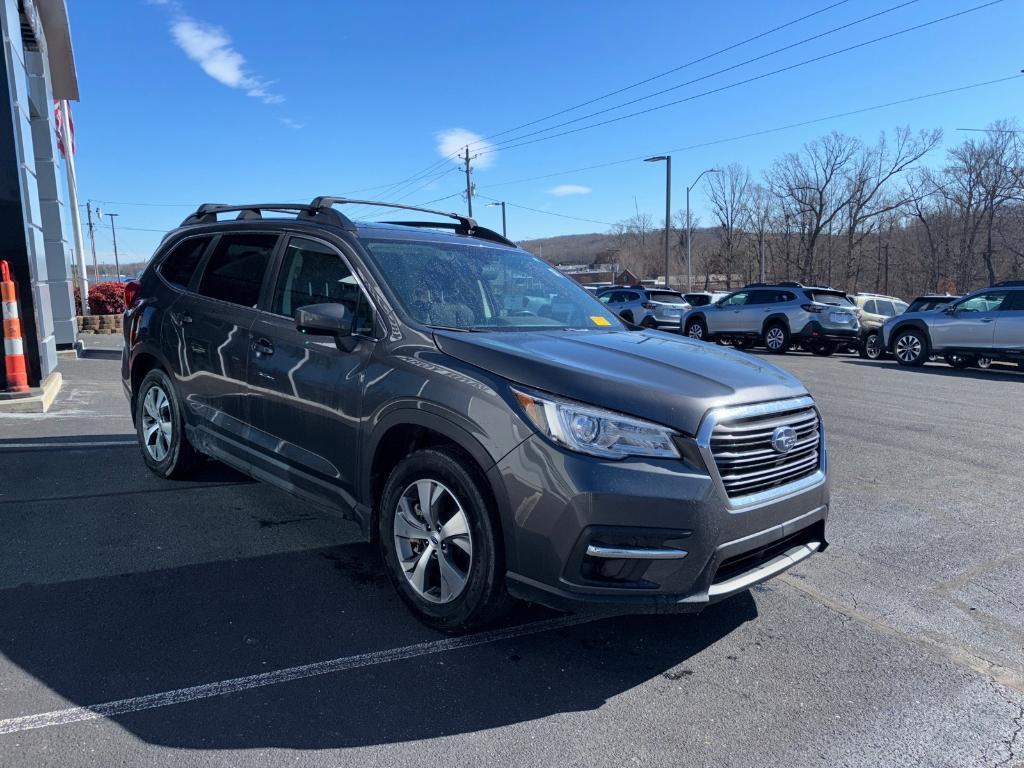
{"type": "Point", "coordinates": [836, 299]}
{"type": "Point", "coordinates": [475, 287]}
{"type": "Point", "coordinates": [666, 297]}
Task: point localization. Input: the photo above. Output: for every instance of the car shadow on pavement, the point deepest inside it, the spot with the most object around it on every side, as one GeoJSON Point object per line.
{"type": "Point", "coordinates": [102, 639]}
{"type": "Point", "coordinates": [941, 369]}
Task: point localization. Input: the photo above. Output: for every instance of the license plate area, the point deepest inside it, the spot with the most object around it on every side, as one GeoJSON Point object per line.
{"type": "Point", "coordinates": [839, 317]}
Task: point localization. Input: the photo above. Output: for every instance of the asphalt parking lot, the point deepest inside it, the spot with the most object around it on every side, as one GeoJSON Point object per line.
{"type": "Point", "coordinates": [219, 622]}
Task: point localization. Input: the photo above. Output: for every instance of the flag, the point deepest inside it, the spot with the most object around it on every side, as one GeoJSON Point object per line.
{"type": "Point", "coordinates": [58, 118]}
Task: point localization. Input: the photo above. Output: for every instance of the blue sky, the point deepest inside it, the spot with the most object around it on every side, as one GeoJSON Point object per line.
{"type": "Point", "coordinates": [229, 101]}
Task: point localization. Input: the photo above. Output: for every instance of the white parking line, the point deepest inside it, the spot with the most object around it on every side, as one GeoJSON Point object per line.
{"type": "Point", "coordinates": [234, 685]}
{"type": "Point", "coordinates": [78, 444]}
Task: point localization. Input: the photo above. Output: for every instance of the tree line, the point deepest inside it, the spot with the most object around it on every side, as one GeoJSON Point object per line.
{"type": "Point", "coordinates": [876, 217]}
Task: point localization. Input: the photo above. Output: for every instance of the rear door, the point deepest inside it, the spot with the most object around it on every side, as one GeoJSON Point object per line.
{"type": "Point", "coordinates": [1009, 333]}
{"type": "Point", "coordinates": [971, 324]}
{"type": "Point", "coordinates": [306, 393]}
{"type": "Point", "coordinates": [211, 330]}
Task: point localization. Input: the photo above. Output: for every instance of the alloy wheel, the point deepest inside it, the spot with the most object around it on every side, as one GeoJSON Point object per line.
{"type": "Point", "coordinates": [872, 347]}
{"type": "Point", "coordinates": [775, 339]}
{"type": "Point", "coordinates": [696, 331]}
{"type": "Point", "coordinates": [983, 362]}
{"type": "Point", "coordinates": [433, 541]}
{"type": "Point", "coordinates": [157, 423]}
{"type": "Point", "coordinates": [908, 348]}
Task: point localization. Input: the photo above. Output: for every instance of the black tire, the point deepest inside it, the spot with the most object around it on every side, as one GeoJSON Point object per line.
{"type": "Point", "coordinates": [776, 338]}
{"type": "Point", "coordinates": [697, 329]}
{"type": "Point", "coordinates": [744, 344]}
{"type": "Point", "coordinates": [483, 597]}
{"type": "Point", "coordinates": [871, 347]}
{"type": "Point", "coordinates": [823, 348]}
{"type": "Point", "coordinates": [960, 361]}
{"type": "Point", "coordinates": [174, 458]}
{"type": "Point", "coordinates": [649, 322]}
{"type": "Point", "coordinates": [910, 346]}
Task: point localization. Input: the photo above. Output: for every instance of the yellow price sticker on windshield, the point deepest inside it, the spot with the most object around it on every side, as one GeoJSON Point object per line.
{"type": "Point", "coordinates": [598, 320]}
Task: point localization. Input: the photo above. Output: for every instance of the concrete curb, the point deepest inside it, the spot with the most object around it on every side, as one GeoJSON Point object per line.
{"type": "Point", "coordinates": [36, 400]}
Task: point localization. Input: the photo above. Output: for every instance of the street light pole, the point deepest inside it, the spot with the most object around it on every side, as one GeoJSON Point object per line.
{"type": "Point", "coordinates": [668, 205]}
{"type": "Point", "coordinates": [113, 234]}
{"type": "Point", "coordinates": [689, 228]}
{"type": "Point", "coordinates": [504, 229]}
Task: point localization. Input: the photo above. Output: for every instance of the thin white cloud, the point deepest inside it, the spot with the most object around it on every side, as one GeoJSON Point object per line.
{"type": "Point", "coordinates": [210, 47]}
{"type": "Point", "coordinates": [291, 123]}
{"type": "Point", "coordinates": [454, 141]}
{"type": "Point", "coordinates": [563, 190]}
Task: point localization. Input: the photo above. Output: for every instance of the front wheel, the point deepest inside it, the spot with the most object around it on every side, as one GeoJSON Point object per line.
{"type": "Point", "coordinates": [696, 329]}
{"type": "Point", "coordinates": [984, 363]}
{"type": "Point", "coordinates": [776, 338]}
{"type": "Point", "coordinates": [440, 541]}
{"type": "Point", "coordinates": [911, 348]}
{"type": "Point", "coordinates": [871, 348]}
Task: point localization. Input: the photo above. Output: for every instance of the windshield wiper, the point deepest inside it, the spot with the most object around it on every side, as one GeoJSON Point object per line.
{"type": "Point", "coordinates": [453, 328]}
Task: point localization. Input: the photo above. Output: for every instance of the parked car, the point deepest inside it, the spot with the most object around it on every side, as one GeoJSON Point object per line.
{"type": "Point", "coordinates": [777, 315]}
{"type": "Point", "coordinates": [875, 309]}
{"type": "Point", "coordinates": [649, 307]}
{"type": "Point", "coordinates": [555, 455]}
{"type": "Point", "coordinates": [930, 301]}
{"type": "Point", "coordinates": [703, 298]}
{"type": "Point", "coordinates": [985, 324]}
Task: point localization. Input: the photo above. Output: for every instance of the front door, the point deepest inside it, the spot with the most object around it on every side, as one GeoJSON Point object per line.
{"type": "Point", "coordinates": [211, 327]}
{"type": "Point", "coordinates": [306, 391]}
{"type": "Point", "coordinates": [970, 324]}
{"type": "Point", "coordinates": [727, 317]}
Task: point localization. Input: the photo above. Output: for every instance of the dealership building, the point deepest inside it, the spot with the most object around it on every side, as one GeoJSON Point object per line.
{"type": "Point", "coordinates": [35, 237]}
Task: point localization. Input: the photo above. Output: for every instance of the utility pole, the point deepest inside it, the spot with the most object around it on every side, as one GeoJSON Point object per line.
{"type": "Point", "coordinates": [886, 267]}
{"type": "Point", "coordinates": [117, 264]}
{"type": "Point", "coordinates": [689, 231]}
{"type": "Point", "coordinates": [92, 241]}
{"type": "Point", "coordinates": [504, 229]}
{"type": "Point", "coordinates": [668, 206]}
{"type": "Point", "coordinates": [469, 186]}
{"type": "Point", "coordinates": [76, 219]}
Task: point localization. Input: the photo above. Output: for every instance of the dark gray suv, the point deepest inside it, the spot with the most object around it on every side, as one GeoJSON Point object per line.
{"type": "Point", "coordinates": [496, 429]}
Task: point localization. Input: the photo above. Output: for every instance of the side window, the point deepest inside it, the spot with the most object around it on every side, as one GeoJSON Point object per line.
{"type": "Point", "coordinates": [1015, 303]}
{"type": "Point", "coordinates": [991, 301]}
{"type": "Point", "coordinates": [314, 273]}
{"type": "Point", "coordinates": [235, 269]}
{"type": "Point", "coordinates": [885, 308]}
{"type": "Point", "coordinates": [630, 296]}
{"type": "Point", "coordinates": [735, 300]}
{"type": "Point", "coordinates": [604, 298]}
{"type": "Point", "coordinates": [180, 264]}
{"type": "Point", "coordinates": [870, 307]}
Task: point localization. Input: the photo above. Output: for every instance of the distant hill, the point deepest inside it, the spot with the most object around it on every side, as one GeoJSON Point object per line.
{"type": "Point", "coordinates": [574, 249]}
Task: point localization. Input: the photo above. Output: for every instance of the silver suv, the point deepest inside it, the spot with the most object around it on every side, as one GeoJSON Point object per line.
{"type": "Point", "coordinates": [649, 307]}
{"type": "Point", "coordinates": [985, 324]}
{"type": "Point", "coordinates": [777, 316]}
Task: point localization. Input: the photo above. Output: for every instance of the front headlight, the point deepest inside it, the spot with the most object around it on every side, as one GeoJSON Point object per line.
{"type": "Point", "coordinates": [595, 431]}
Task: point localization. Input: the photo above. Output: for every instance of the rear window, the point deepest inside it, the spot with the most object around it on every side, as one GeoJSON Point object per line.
{"type": "Point", "coordinates": [180, 264]}
{"type": "Point", "coordinates": [666, 297]}
{"type": "Point", "coordinates": [830, 297]}
{"type": "Point", "coordinates": [235, 270]}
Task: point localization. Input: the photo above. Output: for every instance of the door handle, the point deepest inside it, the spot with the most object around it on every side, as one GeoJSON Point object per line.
{"type": "Point", "coordinates": [181, 318]}
{"type": "Point", "coordinates": [263, 347]}
{"type": "Point", "coordinates": [987, 319]}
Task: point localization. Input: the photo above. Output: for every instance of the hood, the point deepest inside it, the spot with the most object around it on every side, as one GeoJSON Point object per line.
{"type": "Point", "coordinates": [671, 380]}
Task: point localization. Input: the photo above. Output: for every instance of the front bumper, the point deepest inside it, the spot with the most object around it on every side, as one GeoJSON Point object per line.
{"type": "Point", "coordinates": [643, 535]}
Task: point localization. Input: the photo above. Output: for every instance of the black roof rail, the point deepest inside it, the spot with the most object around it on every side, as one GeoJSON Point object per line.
{"type": "Point", "coordinates": [207, 213]}
{"type": "Point", "coordinates": [786, 284]}
{"type": "Point", "coordinates": [481, 232]}
{"type": "Point", "coordinates": [1010, 284]}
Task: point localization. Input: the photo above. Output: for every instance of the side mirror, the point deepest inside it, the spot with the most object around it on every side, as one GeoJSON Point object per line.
{"type": "Point", "coordinates": [950, 309]}
{"type": "Point", "coordinates": [326, 320]}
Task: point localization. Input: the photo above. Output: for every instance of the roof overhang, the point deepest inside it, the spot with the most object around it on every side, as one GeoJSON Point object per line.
{"type": "Point", "coordinates": [54, 17]}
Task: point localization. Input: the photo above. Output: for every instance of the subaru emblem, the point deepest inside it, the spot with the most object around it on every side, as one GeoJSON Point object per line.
{"type": "Point", "coordinates": [783, 439]}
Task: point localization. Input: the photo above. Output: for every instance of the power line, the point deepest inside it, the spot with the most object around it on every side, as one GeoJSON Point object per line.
{"type": "Point", "coordinates": [749, 79]}
{"type": "Point", "coordinates": [763, 132]}
{"type": "Point", "coordinates": [666, 72]}
{"type": "Point", "coordinates": [790, 46]}
{"type": "Point", "coordinates": [549, 213]}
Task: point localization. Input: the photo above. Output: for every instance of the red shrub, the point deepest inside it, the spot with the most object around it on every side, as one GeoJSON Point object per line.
{"type": "Point", "coordinates": [104, 298]}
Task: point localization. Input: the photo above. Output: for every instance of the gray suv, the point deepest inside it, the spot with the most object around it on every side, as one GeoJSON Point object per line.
{"type": "Point", "coordinates": [492, 427]}
{"type": "Point", "coordinates": [649, 307]}
{"type": "Point", "coordinates": [986, 324]}
{"type": "Point", "coordinates": [777, 316]}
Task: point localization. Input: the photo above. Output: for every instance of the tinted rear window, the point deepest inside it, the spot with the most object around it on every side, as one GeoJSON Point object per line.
{"type": "Point", "coordinates": [235, 270]}
{"type": "Point", "coordinates": [180, 264]}
{"type": "Point", "coordinates": [666, 297]}
{"type": "Point", "coordinates": [830, 297]}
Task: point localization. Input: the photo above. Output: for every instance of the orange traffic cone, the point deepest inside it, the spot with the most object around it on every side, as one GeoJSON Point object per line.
{"type": "Point", "coordinates": [14, 349]}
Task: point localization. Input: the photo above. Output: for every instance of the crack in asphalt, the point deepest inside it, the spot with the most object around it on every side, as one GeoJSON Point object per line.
{"type": "Point", "coordinates": [1018, 721]}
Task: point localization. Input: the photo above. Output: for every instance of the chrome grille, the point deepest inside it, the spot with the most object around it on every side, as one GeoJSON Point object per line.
{"type": "Point", "coordinates": [747, 463]}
